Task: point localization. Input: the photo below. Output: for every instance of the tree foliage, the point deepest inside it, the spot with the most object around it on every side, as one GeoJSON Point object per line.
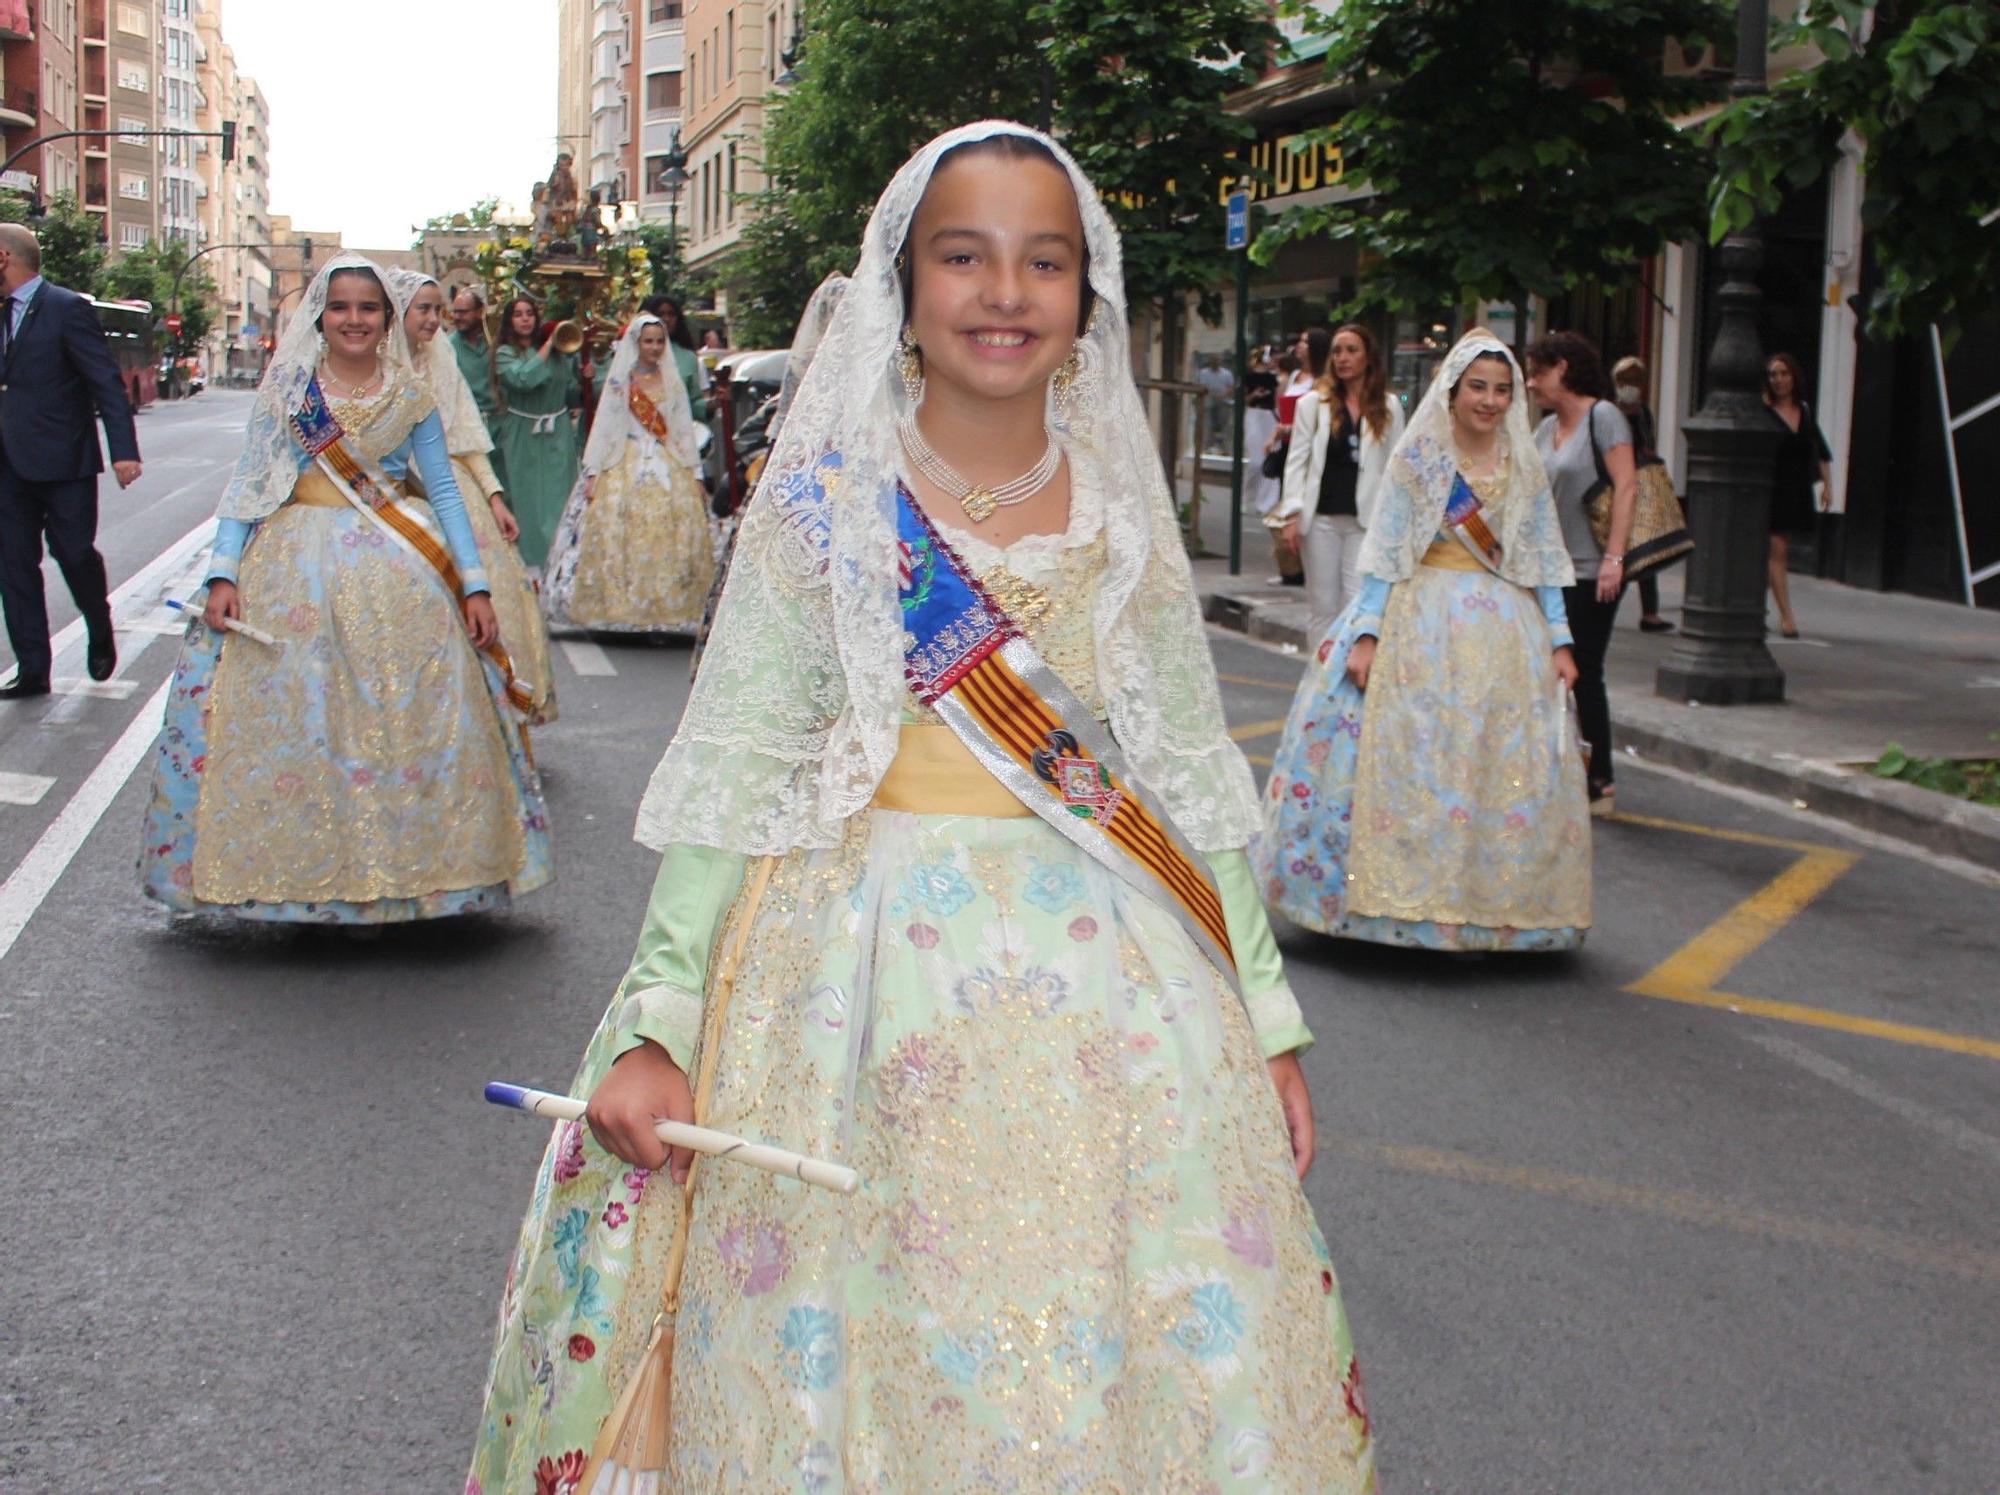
{"type": "Point", "coordinates": [1134, 89]}
{"type": "Point", "coordinates": [1919, 82]}
{"type": "Point", "coordinates": [147, 274]}
{"type": "Point", "coordinates": [479, 215]}
{"type": "Point", "coordinates": [71, 237]}
{"type": "Point", "coordinates": [877, 79]}
{"type": "Point", "coordinates": [1139, 102]}
{"type": "Point", "coordinates": [1511, 146]}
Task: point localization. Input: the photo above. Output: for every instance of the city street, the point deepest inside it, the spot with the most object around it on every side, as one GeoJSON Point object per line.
{"type": "Point", "coordinates": [1708, 1207]}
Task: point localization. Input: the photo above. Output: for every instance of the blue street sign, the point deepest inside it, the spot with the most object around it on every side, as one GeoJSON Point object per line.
{"type": "Point", "coordinates": [1237, 236]}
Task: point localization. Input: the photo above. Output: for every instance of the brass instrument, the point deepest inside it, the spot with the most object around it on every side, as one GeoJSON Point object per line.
{"type": "Point", "coordinates": [568, 336]}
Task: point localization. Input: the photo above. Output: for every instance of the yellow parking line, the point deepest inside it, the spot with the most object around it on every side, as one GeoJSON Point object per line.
{"type": "Point", "coordinates": [1251, 731]}
{"type": "Point", "coordinates": [1953, 1257]}
{"type": "Point", "coordinates": [1691, 974]}
{"type": "Point", "coordinates": [1287, 686]}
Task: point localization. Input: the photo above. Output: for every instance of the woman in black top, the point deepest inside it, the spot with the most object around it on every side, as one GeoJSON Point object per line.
{"type": "Point", "coordinates": [1803, 456]}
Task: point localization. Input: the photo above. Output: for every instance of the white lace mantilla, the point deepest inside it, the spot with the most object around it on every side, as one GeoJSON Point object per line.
{"type": "Point", "coordinates": [795, 715]}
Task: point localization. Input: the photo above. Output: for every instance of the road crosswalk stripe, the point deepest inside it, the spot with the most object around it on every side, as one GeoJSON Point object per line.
{"type": "Point", "coordinates": [23, 788]}
{"type": "Point", "coordinates": [586, 657]}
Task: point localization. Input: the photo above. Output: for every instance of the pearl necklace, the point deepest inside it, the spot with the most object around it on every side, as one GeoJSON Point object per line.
{"type": "Point", "coordinates": [979, 501]}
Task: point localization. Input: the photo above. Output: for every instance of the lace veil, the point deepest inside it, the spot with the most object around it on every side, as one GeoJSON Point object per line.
{"type": "Point", "coordinates": [1424, 465]}
{"type": "Point", "coordinates": [805, 342]}
{"type": "Point", "coordinates": [614, 421]}
{"type": "Point", "coordinates": [268, 465]}
{"type": "Point", "coordinates": [464, 432]}
{"type": "Point", "coordinates": [795, 715]}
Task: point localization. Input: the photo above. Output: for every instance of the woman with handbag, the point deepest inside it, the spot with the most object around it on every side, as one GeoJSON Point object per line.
{"type": "Point", "coordinates": [1342, 431]}
{"type": "Point", "coordinates": [1427, 790]}
{"type": "Point", "coordinates": [1803, 456]}
{"type": "Point", "coordinates": [1628, 377]}
{"type": "Point", "coordinates": [1586, 443]}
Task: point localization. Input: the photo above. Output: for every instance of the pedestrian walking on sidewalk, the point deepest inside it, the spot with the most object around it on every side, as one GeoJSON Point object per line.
{"type": "Point", "coordinates": [1342, 431]}
{"type": "Point", "coordinates": [1585, 441]}
{"type": "Point", "coordinates": [57, 381]}
{"type": "Point", "coordinates": [1081, 1256]}
{"type": "Point", "coordinates": [1427, 790]}
{"type": "Point", "coordinates": [1803, 458]}
{"type": "Point", "coordinates": [419, 304]}
{"type": "Point", "coordinates": [634, 552]}
{"type": "Point", "coordinates": [335, 750]}
{"type": "Point", "coordinates": [1628, 378]}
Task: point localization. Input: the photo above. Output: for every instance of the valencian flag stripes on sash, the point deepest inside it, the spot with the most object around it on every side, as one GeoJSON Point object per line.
{"type": "Point", "coordinates": [969, 662]}
{"type": "Point", "coordinates": [319, 433]}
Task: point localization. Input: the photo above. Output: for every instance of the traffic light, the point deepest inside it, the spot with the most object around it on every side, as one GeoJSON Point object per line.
{"type": "Point", "coordinates": [228, 141]}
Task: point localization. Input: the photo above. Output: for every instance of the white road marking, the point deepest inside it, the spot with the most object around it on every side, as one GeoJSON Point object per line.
{"type": "Point", "coordinates": [1950, 1128]}
{"type": "Point", "coordinates": [103, 690]}
{"type": "Point", "coordinates": [23, 788]}
{"type": "Point", "coordinates": [586, 657]}
{"type": "Point", "coordinates": [31, 882]}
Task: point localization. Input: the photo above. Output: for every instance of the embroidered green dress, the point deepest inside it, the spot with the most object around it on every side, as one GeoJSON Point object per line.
{"type": "Point", "coordinates": [537, 441]}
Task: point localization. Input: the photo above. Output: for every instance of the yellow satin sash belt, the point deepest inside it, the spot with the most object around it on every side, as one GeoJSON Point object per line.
{"type": "Point", "coordinates": [936, 774]}
{"type": "Point", "coordinates": [315, 490]}
{"type": "Point", "coordinates": [1449, 554]}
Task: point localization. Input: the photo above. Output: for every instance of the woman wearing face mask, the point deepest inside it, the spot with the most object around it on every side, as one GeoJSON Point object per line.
{"type": "Point", "coordinates": [958, 657]}
{"type": "Point", "coordinates": [633, 553]}
{"type": "Point", "coordinates": [1803, 455]}
{"type": "Point", "coordinates": [1427, 790]}
{"type": "Point", "coordinates": [1342, 430]}
{"type": "Point", "coordinates": [534, 387]}
{"type": "Point", "coordinates": [360, 763]}
{"type": "Point", "coordinates": [420, 303]}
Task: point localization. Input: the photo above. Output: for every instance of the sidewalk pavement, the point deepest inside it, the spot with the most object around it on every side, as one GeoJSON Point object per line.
{"type": "Point", "coordinates": [1871, 668]}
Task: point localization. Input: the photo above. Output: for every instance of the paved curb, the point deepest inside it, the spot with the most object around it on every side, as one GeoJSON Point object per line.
{"type": "Point", "coordinates": [1672, 734]}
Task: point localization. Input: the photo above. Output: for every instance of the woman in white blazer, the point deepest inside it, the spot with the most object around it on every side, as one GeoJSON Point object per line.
{"type": "Point", "coordinates": [1330, 489]}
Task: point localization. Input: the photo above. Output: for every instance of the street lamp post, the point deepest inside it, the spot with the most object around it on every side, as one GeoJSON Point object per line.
{"type": "Point", "coordinates": [673, 178]}
{"type": "Point", "coordinates": [1720, 658]}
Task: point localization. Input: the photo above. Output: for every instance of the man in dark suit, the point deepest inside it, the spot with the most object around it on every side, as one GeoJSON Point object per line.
{"type": "Point", "coordinates": [56, 380]}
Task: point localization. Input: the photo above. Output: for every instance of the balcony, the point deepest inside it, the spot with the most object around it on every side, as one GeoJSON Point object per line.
{"type": "Point", "coordinates": [90, 23]}
{"type": "Point", "coordinates": [17, 21]}
{"type": "Point", "coordinates": [20, 106]}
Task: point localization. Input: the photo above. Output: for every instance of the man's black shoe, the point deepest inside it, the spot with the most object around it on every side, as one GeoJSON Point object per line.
{"type": "Point", "coordinates": [103, 656]}
{"type": "Point", "coordinates": [20, 688]}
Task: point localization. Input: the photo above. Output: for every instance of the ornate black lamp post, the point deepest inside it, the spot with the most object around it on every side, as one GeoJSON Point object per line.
{"type": "Point", "coordinates": [1720, 658]}
{"type": "Point", "coordinates": [673, 178]}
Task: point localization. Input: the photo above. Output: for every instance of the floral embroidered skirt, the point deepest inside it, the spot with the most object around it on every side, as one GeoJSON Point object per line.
{"type": "Point", "coordinates": [1445, 807]}
{"type": "Point", "coordinates": [1079, 1258]}
{"type": "Point", "coordinates": [637, 558]}
{"type": "Point", "coordinates": [522, 632]}
{"type": "Point", "coordinates": [360, 772]}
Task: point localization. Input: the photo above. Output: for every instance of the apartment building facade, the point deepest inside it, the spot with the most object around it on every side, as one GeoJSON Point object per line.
{"type": "Point", "coordinates": [38, 93]}
{"type": "Point", "coordinates": [734, 51]}
{"type": "Point", "coordinates": [611, 55]}
{"type": "Point", "coordinates": [657, 99]}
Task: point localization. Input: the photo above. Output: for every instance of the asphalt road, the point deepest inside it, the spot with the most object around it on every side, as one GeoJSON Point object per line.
{"type": "Point", "coordinates": [255, 1215]}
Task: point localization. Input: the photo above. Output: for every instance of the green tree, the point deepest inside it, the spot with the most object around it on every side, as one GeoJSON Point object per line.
{"type": "Point", "coordinates": [71, 237]}
{"type": "Point", "coordinates": [479, 215]}
{"type": "Point", "coordinates": [147, 274]}
{"type": "Point", "coordinates": [1919, 82]}
{"type": "Point", "coordinates": [878, 78]}
{"type": "Point", "coordinates": [1508, 146]}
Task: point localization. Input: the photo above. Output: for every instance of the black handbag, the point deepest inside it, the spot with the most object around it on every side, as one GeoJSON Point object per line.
{"type": "Point", "coordinates": [1274, 460]}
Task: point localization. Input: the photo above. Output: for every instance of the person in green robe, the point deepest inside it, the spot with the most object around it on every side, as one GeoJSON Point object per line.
{"type": "Point", "coordinates": [680, 342]}
{"type": "Point", "coordinates": [533, 430]}
{"type": "Point", "coordinates": [475, 360]}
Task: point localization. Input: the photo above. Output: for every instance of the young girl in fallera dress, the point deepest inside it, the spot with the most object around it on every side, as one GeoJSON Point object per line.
{"type": "Point", "coordinates": [1428, 790]}
{"type": "Point", "coordinates": [365, 766]}
{"type": "Point", "coordinates": [953, 876]}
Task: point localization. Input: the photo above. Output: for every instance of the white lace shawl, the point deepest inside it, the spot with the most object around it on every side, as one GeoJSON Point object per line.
{"type": "Point", "coordinates": [795, 715]}
{"type": "Point", "coordinates": [614, 423]}
{"type": "Point", "coordinates": [268, 466]}
{"type": "Point", "coordinates": [1424, 465]}
{"type": "Point", "coordinates": [465, 434]}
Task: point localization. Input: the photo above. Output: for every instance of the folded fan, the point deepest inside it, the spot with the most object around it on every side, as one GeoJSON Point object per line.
{"type": "Point", "coordinates": [825, 1175]}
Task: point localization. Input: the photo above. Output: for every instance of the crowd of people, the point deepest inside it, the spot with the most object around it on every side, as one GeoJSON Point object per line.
{"type": "Point", "coordinates": [963, 881]}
